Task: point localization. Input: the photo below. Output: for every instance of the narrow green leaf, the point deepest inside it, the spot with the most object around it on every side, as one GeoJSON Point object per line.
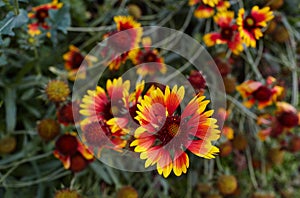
{"type": "Point", "coordinates": [99, 170]}
{"type": "Point", "coordinates": [10, 108]}
{"type": "Point", "coordinates": [12, 21]}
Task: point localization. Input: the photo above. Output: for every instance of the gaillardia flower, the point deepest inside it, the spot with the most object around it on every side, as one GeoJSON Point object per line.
{"type": "Point", "coordinates": [147, 57]}
{"type": "Point", "coordinates": [67, 193]}
{"type": "Point", "coordinates": [206, 8]}
{"type": "Point", "coordinates": [66, 112]}
{"type": "Point", "coordinates": [98, 135]}
{"type": "Point", "coordinates": [228, 33]}
{"type": "Point", "coordinates": [40, 13]}
{"type": "Point", "coordinates": [126, 40]}
{"type": "Point", "coordinates": [73, 60]}
{"type": "Point", "coordinates": [72, 153]}
{"type": "Point", "coordinates": [165, 135]}
{"type": "Point", "coordinates": [265, 95]}
{"type": "Point", "coordinates": [285, 119]}
{"type": "Point", "coordinates": [33, 29]}
{"type": "Point", "coordinates": [48, 129]}
{"type": "Point", "coordinates": [57, 90]}
{"type": "Point", "coordinates": [126, 120]}
{"type": "Point", "coordinates": [101, 105]}
{"type": "Point", "coordinates": [250, 25]}
{"type": "Point", "coordinates": [287, 115]}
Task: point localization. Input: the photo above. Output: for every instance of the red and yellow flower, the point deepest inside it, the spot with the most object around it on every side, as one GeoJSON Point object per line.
{"type": "Point", "coordinates": [98, 135]}
{"type": "Point", "coordinates": [206, 8]}
{"type": "Point", "coordinates": [73, 60]}
{"type": "Point", "coordinates": [33, 29]}
{"type": "Point", "coordinates": [101, 105]}
{"type": "Point", "coordinates": [72, 153]}
{"type": "Point", "coordinates": [126, 40]}
{"type": "Point", "coordinates": [228, 33]}
{"type": "Point", "coordinates": [286, 118]}
{"type": "Point", "coordinates": [148, 60]}
{"type": "Point", "coordinates": [287, 115]}
{"type": "Point", "coordinates": [40, 13]}
{"type": "Point", "coordinates": [250, 25]}
{"type": "Point", "coordinates": [126, 120]}
{"type": "Point", "coordinates": [165, 135]}
{"type": "Point", "coordinates": [254, 91]}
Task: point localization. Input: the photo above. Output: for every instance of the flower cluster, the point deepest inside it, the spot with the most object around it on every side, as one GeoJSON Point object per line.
{"type": "Point", "coordinates": [137, 49]}
{"type": "Point", "coordinates": [207, 8]}
{"type": "Point", "coordinates": [254, 91]}
{"type": "Point", "coordinates": [39, 14]}
{"type": "Point", "coordinates": [151, 123]}
{"type": "Point", "coordinates": [238, 32]}
{"type": "Point", "coordinates": [68, 148]}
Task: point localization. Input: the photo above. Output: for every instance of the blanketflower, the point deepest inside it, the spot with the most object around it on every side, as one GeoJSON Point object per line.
{"type": "Point", "coordinates": [33, 29]}
{"type": "Point", "coordinates": [98, 135]}
{"type": "Point", "coordinates": [126, 40]}
{"type": "Point", "coordinates": [73, 60]}
{"type": "Point", "coordinates": [287, 115]}
{"type": "Point", "coordinates": [101, 105]}
{"type": "Point", "coordinates": [286, 118]}
{"type": "Point", "coordinates": [126, 120]}
{"type": "Point", "coordinates": [206, 8]}
{"type": "Point", "coordinates": [228, 33]}
{"type": "Point", "coordinates": [65, 113]}
{"type": "Point", "coordinates": [149, 59]}
{"type": "Point", "coordinates": [72, 153]}
{"type": "Point", "coordinates": [165, 135]}
{"type": "Point", "coordinates": [250, 25]}
{"type": "Point", "coordinates": [39, 14]}
{"type": "Point", "coordinates": [254, 91]}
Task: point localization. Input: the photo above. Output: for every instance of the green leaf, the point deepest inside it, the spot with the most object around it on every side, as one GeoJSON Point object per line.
{"type": "Point", "coordinates": [10, 108]}
{"type": "Point", "coordinates": [59, 20]}
{"type": "Point", "coordinates": [2, 3]}
{"type": "Point", "coordinates": [3, 60]}
{"type": "Point", "coordinates": [100, 171]}
{"type": "Point", "coordinates": [12, 21]}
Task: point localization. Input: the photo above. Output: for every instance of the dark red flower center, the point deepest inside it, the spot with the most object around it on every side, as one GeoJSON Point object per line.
{"type": "Point", "coordinates": [227, 33]}
{"type": "Point", "coordinates": [77, 59]}
{"type": "Point", "coordinates": [67, 144]}
{"type": "Point", "coordinates": [107, 112]}
{"type": "Point", "coordinates": [249, 23]}
{"type": "Point", "coordinates": [95, 133]}
{"type": "Point", "coordinates": [197, 80]}
{"type": "Point", "coordinates": [78, 162]}
{"type": "Point", "coordinates": [169, 130]}
{"type": "Point", "coordinates": [288, 119]}
{"type": "Point", "coordinates": [262, 94]}
{"type": "Point", "coordinates": [41, 15]}
{"type": "Point", "coordinates": [121, 41]}
{"type": "Point", "coordinates": [65, 114]}
{"type": "Point", "coordinates": [133, 114]}
{"type": "Point", "coordinates": [149, 57]}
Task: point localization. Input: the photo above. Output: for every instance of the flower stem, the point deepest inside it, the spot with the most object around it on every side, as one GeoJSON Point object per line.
{"type": "Point", "coordinates": [254, 64]}
{"type": "Point", "coordinates": [16, 7]}
{"type": "Point", "coordinates": [250, 167]}
{"type": "Point", "coordinates": [91, 29]}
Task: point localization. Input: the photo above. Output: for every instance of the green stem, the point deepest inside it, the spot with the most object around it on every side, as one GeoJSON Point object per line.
{"type": "Point", "coordinates": [91, 29]}
{"type": "Point", "coordinates": [53, 176]}
{"type": "Point", "coordinates": [27, 160]}
{"type": "Point", "coordinates": [253, 65]}
{"type": "Point", "coordinates": [250, 167]}
{"type": "Point", "coordinates": [16, 7]}
{"type": "Point", "coordinates": [242, 107]}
